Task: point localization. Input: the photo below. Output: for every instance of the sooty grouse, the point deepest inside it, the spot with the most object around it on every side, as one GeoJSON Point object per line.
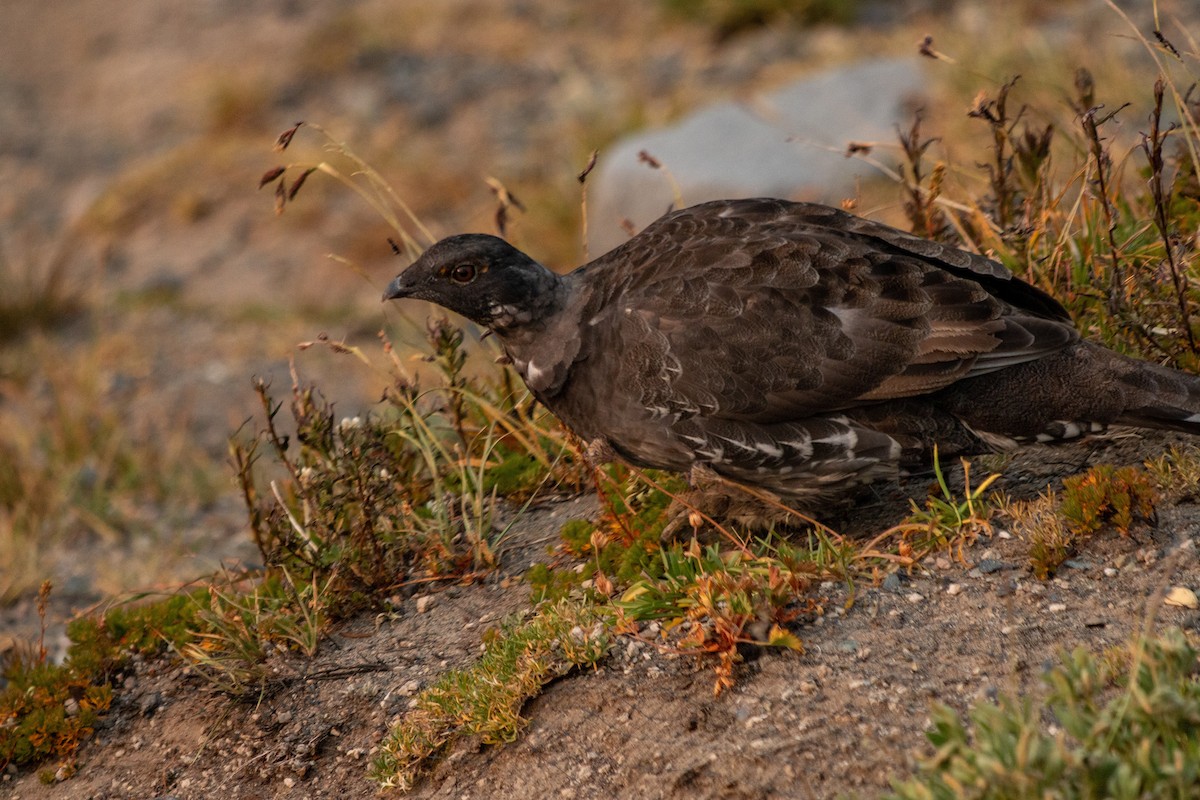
{"type": "Point", "coordinates": [794, 347]}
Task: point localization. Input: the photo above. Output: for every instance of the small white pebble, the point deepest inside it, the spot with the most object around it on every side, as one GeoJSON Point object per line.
{"type": "Point", "coordinates": [1054, 608]}
{"type": "Point", "coordinates": [1110, 572]}
{"type": "Point", "coordinates": [914, 597]}
{"type": "Point", "coordinates": [953, 589]}
{"type": "Point", "coordinates": [1003, 534]}
{"type": "Point", "coordinates": [424, 603]}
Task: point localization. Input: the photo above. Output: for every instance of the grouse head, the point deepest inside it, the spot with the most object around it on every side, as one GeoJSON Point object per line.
{"type": "Point", "coordinates": [483, 278]}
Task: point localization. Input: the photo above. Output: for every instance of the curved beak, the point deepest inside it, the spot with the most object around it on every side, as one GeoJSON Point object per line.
{"type": "Point", "coordinates": [397, 289]}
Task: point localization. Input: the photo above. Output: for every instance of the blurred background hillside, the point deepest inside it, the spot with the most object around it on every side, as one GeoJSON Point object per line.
{"type": "Point", "coordinates": [144, 281]}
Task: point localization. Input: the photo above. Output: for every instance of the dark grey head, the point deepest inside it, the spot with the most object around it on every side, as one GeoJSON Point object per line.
{"type": "Point", "coordinates": [481, 277]}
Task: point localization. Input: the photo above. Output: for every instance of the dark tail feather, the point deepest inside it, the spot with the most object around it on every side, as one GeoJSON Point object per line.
{"type": "Point", "coordinates": [1158, 397]}
{"type": "Point", "coordinates": [1076, 390]}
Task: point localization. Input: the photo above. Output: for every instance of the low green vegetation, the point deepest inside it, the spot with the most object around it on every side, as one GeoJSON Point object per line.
{"type": "Point", "coordinates": [1123, 726]}
{"type": "Point", "coordinates": [47, 710]}
{"type": "Point", "coordinates": [1058, 524]}
{"type": "Point", "coordinates": [485, 699]}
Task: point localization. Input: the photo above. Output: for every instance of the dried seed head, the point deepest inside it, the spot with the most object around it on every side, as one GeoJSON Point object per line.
{"type": "Point", "coordinates": [506, 200]}
{"type": "Point", "coordinates": [501, 221]}
{"type": "Point", "coordinates": [649, 160]}
{"type": "Point", "coordinates": [285, 138]}
{"type": "Point", "coordinates": [591, 164]}
{"type": "Point", "coordinates": [1085, 89]}
{"type": "Point", "coordinates": [296, 184]}
{"type": "Point", "coordinates": [982, 107]}
{"type": "Point", "coordinates": [270, 175]}
{"type": "Point", "coordinates": [1170, 48]}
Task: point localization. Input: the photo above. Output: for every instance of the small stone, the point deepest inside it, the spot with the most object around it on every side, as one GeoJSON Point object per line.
{"type": "Point", "coordinates": [150, 703]}
{"type": "Point", "coordinates": [894, 582]}
{"type": "Point", "coordinates": [71, 707]}
{"type": "Point", "coordinates": [1110, 572]}
{"type": "Point", "coordinates": [1003, 534]}
{"type": "Point", "coordinates": [1077, 563]}
{"type": "Point", "coordinates": [989, 565]}
{"type": "Point", "coordinates": [1054, 608]}
{"type": "Point", "coordinates": [1182, 597]}
{"type": "Point", "coordinates": [954, 589]}
{"type": "Point", "coordinates": [941, 563]}
{"type": "Point", "coordinates": [424, 603]}
{"type": "Point", "coordinates": [914, 597]}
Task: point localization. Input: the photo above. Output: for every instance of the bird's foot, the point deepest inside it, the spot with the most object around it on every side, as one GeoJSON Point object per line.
{"type": "Point", "coordinates": [599, 452]}
{"type": "Point", "coordinates": [714, 501]}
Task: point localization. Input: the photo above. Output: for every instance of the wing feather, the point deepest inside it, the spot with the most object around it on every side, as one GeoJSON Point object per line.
{"type": "Point", "coordinates": [766, 311]}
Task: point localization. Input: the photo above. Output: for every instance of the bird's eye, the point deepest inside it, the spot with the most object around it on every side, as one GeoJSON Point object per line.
{"type": "Point", "coordinates": [463, 273]}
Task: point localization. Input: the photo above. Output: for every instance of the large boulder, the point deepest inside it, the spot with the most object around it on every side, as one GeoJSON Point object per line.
{"type": "Point", "coordinates": [790, 143]}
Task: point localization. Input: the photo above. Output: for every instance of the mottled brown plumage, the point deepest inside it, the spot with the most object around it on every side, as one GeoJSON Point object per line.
{"type": "Point", "coordinates": [794, 346]}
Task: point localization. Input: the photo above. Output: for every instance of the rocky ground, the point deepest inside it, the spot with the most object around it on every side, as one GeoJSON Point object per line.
{"type": "Point", "coordinates": [845, 716]}
{"type": "Point", "coordinates": [131, 138]}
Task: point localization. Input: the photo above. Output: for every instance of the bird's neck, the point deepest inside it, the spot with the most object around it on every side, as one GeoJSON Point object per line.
{"type": "Point", "coordinates": [544, 346]}
{"type": "Point", "coordinates": [545, 295]}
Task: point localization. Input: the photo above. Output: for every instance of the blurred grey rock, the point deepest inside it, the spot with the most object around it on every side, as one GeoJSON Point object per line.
{"type": "Point", "coordinates": [790, 143]}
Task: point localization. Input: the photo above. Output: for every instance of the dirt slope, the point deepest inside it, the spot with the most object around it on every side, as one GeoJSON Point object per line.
{"type": "Point", "coordinates": [846, 715]}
